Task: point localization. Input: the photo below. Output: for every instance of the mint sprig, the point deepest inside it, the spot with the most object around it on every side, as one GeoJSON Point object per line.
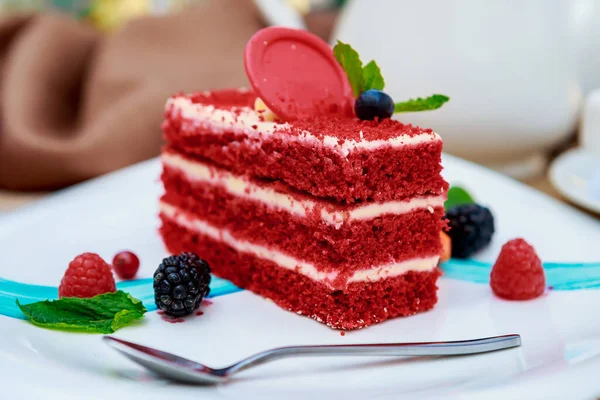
{"type": "Point", "coordinates": [361, 78]}
{"type": "Point", "coordinates": [369, 77]}
{"type": "Point", "coordinates": [350, 62]}
{"type": "Point", "coordinates": [372, 78]}
{"type": "Point", "coordinates": [457, 196]}
{"type": "Point", "coordinates": [104, 313]}
{"type": "Point", "coordinates": [428, 103]}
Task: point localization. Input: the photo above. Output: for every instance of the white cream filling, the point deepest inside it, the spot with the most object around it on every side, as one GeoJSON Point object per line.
{"type": "Point", "coordinates": [241, 187]}
{"type": "Point", "coordinates": [247, 121]}
{"type": "Point", "coordinates": [375, 273]}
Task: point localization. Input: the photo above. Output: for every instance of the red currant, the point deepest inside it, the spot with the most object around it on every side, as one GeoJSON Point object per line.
{"type": "Point", "coordinates": [126, 264]}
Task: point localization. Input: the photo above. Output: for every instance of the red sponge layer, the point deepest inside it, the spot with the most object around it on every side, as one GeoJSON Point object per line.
{"type": "Point", "coordinates": [354, 245]}
{"type": "Point", "coordinates": [357, 306]}
{"type": "Point", "coordinates": [375, 174]}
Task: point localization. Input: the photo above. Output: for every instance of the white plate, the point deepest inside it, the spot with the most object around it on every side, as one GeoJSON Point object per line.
{"type": "Point", "coordinates": [576, 175]}
{"type": "Point", "coordinates": [560, 356]}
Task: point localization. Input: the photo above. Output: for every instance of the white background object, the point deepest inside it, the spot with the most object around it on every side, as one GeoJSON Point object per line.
{"type": "Point", "coordinates": [576, 175]}
{"type": "Point", "coordinates": [510, 68]}
{"type": "Point", "coordinates": [589, 134]}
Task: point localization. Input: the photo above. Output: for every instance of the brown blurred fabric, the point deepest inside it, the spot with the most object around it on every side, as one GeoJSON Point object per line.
{"type": "Point", "coordinates": [76, 103]}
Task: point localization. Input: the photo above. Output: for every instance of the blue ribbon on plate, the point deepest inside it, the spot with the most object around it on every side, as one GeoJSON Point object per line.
{"type": "Point", "coordinates": [139, 288]}
{"type": "Point", "coordinates": [559, 276]}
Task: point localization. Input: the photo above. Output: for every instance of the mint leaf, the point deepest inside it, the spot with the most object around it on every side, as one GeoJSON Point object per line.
{"type": "Point", "coordinates": [350, 61]}
{"type": "Point", "coordinates": [369, 77]}
{"type": "Point", "coordinates": [104, 313]}
{"type": "Point", "coordinates": [457, 196]}
{"type": "Point", "coordinates": [429, 103]}
{"type": "Point", "coordinates": [372, 78]}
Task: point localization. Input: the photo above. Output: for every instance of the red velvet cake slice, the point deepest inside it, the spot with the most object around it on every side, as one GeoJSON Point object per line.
{"type": "Point", "coordinates": [329, 215]}
{"type": "Point", "coordinates": [344, 159]}
{"type": "Point", "coordinates": [347, 264]}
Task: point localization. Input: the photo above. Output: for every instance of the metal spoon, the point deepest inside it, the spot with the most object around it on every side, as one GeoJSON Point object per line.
{"type": "Point", "coordinates": [181, 369]}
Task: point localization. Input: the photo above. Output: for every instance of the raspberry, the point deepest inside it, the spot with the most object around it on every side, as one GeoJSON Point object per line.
{"type": "Point", "coordinates": [126, 264]}
{"type": "Point", "coordinates": [518, 273]}
{"type": "Point", "coordinates": [88, 275]}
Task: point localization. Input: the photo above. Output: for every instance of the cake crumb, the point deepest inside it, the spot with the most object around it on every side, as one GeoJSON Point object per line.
{"type": "Point", "coordinates": [343, 333]}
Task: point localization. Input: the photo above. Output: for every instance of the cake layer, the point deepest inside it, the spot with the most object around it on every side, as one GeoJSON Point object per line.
{"type": "Point", "coordinates": [332, 236]}
{"type": "Point", "coordinates": [335, 277]}
{"type": "Point", "coordinates": [279, 196]}
{"type": "Point", "coordinates": [344, 159]}
{"type": "Point", "coordinates": [357, 305]}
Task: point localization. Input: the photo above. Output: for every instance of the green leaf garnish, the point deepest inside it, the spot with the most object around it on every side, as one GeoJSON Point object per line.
{"type": "Point", "coordinates": [372, 78]}
{"type": "Point", "coordinates": [104, 313]}
{"type": "Point", "coordinates": [369, 77]}
{"type": "Point", "coordinates": [428, 103]}
{"type": "Point", "coordinates": [457, 196]}
{"type": "Point", "coordinates": [350, 61]}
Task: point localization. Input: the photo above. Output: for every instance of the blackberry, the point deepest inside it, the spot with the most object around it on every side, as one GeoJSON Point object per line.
{"type": "Point", "coordinates": [374, 103]}
{"type": "Point", "coordinates": [180, 284]}
{"type": "Point", "coordinates": [471, 229]}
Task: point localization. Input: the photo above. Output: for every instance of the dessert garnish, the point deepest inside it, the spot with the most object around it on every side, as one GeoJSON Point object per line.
{"type": "Point", "coordinates": [446, 246]}
{"type": "Point", "coordinates": [456, 196]}
{"type": "Point", "coordinates": [180, 284]}
{"type": "Point", "coordinates": [126, 264]}
{"type": "Point", "coordinates": [518, 273]}
{"type": "Point", "coordinates": [296, 75]}
{"type": "Point", "coordinates": [88, 275]}
{"type": "Point", "coordinates": [373, 104]}
{"type": "Point", "coordinates": [471, 228]}
{"type": "Point", "coordinates": [367, 86]}
{"type": "Point", "coordinates": [104, 313]}
{"type": "Point", "coordinates": [261, 108]}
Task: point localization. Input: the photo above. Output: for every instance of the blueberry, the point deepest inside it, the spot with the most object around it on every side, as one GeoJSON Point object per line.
{"type": "Point", "coordinates": [374, 103]}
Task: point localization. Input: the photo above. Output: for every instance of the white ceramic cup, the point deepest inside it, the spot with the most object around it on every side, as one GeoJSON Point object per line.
{"type": "Point", "coordinates": [589, 133]}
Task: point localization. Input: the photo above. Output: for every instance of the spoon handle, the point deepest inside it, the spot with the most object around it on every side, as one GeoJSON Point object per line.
{"type": "Point", "coordinates": [461, 347]}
